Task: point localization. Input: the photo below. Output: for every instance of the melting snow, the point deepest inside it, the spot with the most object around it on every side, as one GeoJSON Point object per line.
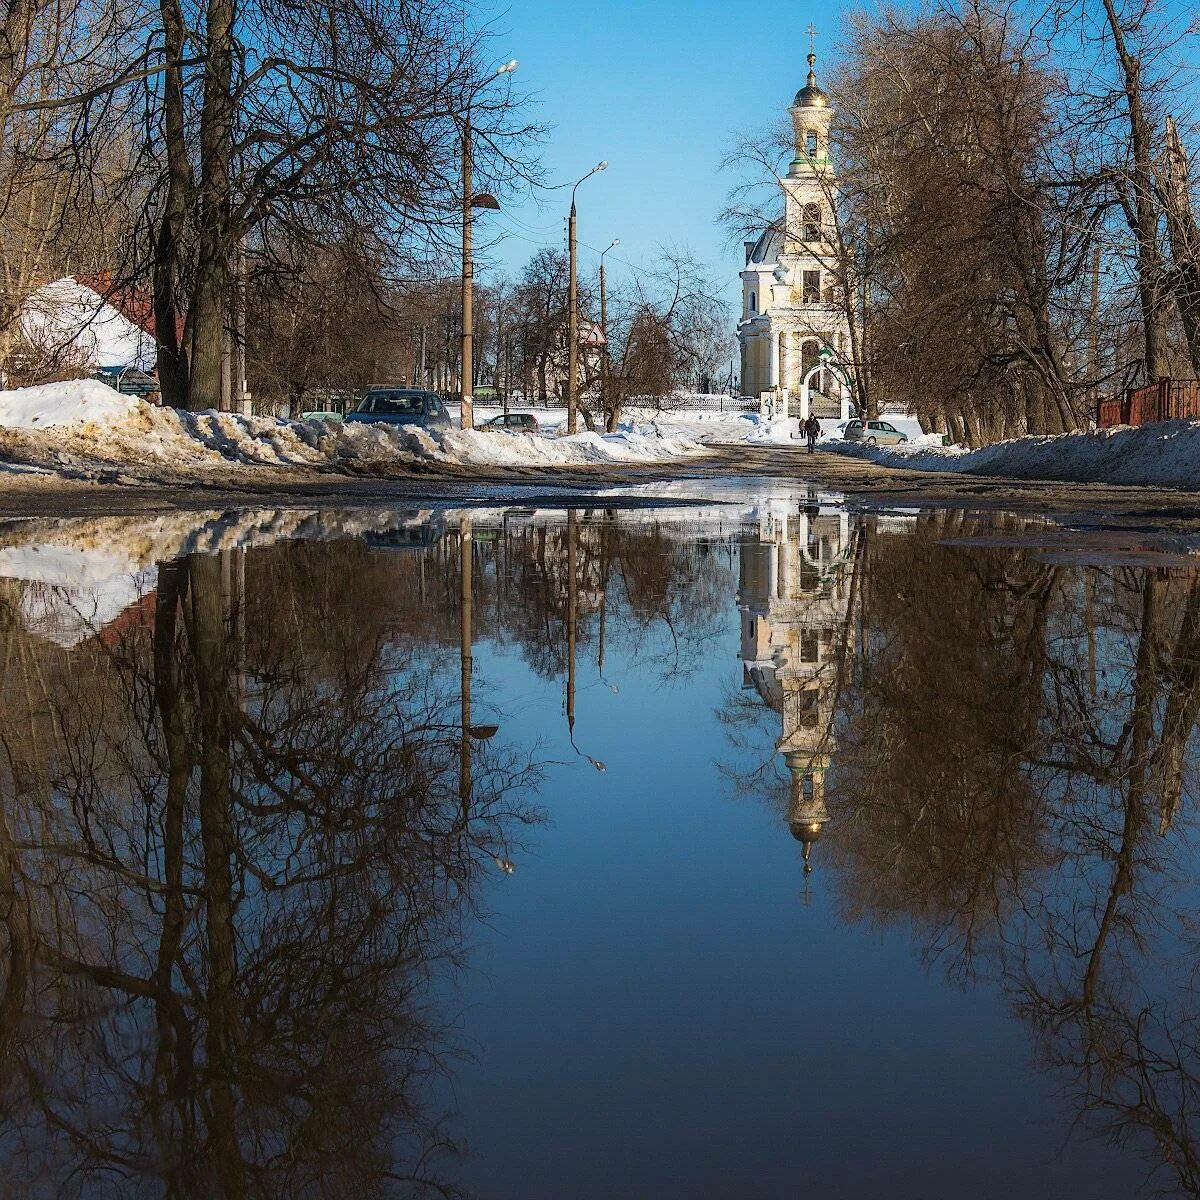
{"type": "Point", "coordinates": [1165, 454]}
{"type": "Point", "coordinates": [85, 417]}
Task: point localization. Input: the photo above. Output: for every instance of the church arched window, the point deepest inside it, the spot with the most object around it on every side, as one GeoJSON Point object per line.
{"type": "Point", "coordinates": [810, 143]}
{"type": "Point", "coordinates": [753, 302]}
{"type": "Point", "coordinates": [811, 221]}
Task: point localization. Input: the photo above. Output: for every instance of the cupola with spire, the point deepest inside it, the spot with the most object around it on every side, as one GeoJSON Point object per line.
{"type": "Point", "coordinates": [811, 96]}
{"type": "Point", "coordinates": [810, 113]}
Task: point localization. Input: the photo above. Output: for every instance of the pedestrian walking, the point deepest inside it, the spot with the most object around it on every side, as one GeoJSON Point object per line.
{"type": "Point", "coordinates": [812, 429]}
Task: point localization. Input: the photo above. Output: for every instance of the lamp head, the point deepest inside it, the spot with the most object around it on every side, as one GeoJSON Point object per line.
{"type": "Point", "coordinates": [602, 166]}
{"type": "Point", "coordinates": [508, 68]}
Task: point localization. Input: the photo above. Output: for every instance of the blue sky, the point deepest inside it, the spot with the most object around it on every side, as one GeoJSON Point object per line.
{"type": "Point", "coordinates": [658, 89]}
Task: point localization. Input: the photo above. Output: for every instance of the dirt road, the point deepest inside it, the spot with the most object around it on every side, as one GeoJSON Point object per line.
{"type": "Point", "coordinates": [43, 494]}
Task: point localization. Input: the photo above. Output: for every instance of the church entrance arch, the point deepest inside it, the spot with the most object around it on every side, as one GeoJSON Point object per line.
{"type": "Point", "coordinates": [810, 357]}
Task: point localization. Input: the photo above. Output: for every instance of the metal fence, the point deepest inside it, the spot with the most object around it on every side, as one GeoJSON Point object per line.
{"type": "Point", "coordinates": [1165, 400]}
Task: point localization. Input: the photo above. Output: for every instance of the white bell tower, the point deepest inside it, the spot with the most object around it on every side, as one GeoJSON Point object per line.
{"type": "Point", "coordinates": [791, 310]}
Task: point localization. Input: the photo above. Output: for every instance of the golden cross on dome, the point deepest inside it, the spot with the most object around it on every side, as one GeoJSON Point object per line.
{"type": "Point", "coordinates": [812, 38]}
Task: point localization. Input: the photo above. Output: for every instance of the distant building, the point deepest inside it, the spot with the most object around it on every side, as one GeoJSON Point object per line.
{"type": "Point", "coordinates": [79, 322]}
{"type": "Point", "coordinates": [790, 309]}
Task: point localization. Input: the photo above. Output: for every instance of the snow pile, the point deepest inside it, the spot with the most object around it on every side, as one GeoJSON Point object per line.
{"type": "Point", "coordinates": [1165, 454]}
{"type": "Point", "coordinates": [77, 402]}
{"type": "Point", "coordinates": [781, 432]}
{"type": "Point", "coordinates": [635, 443]}
{"type": "Point", "coordinates": [87, 420]}
{"type": "Point", "coordinates": [69, 317]}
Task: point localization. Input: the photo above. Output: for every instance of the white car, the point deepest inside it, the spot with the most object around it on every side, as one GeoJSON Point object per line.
{"type": "Point", "coordinates": [874, 433]}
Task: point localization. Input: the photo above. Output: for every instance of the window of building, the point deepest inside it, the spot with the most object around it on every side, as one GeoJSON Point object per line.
{"type": "Point", "coordinates": [811, 222]}
{"type": "Point", "coordinates": [810, 143]}
{"type": "Point", "coordinates": [811, 287]}
{"type": "Point", "coordinates": [753, 302]}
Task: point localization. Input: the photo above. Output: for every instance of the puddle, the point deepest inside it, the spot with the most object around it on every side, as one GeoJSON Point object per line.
{"type": "Point", "coordinates": [713, 849]}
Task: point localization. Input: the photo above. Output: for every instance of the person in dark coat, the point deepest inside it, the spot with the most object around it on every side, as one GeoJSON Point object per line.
{"type": "Point", "coordinates": [812, 430]}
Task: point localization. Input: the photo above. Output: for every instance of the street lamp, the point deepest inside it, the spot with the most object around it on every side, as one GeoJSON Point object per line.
{"type": "Point", "coordinates": [573, 308]}
{"type": "Point", "coordinates": [604, 327]}
{"type": "Point", "coordinates": [472, 200]}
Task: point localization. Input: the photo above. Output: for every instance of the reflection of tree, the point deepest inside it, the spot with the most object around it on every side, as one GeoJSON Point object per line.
{"type": "Point", "coordinates": [930, 780]}
{"type": "Point", "coordinates": [1015, 780]}
{"type": "Point", "coordinates": [229, 867]}
{"type": "Point", "coordinates": [631, 578]}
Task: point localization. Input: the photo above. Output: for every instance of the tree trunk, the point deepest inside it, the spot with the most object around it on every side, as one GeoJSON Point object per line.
{"type": "Point", "coordinates": [1145, 209]}
{"type": "Point", "coordinates": [1185, 241]}
{"type": "Point", "coordinates": [172, 358]}
{"type": "Point", "coordinates": [210, 644]}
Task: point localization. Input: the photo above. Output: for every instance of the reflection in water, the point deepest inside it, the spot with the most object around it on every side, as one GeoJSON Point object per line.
{"type": "Point", "coordinates": [250, 799]}
{"type": "Point", "coordinates": [795, 603]}
{"type": "Point", "coordinates": [236, 839]}
{"type": "Point", "coordinates": [1008, 742]}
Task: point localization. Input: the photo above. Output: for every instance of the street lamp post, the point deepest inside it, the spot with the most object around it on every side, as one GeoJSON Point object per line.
{"type": "Point", "coordinates": [604, 329]}
{"type": "Point", "coordinates": [470, 201]}
{"type": "Point", "coordinates": [573, 310]}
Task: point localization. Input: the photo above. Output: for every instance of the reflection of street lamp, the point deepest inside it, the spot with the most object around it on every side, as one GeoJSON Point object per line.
{"type": "Point", "coordinates": [572, 618]}
{"type": "Point", "coordinates": [573, 308]}
{"type": "Point", "coordinates": [467, 732]}
{"type": "Point", "coordinates": [584, 754]}
{"type": "Point", "coordinates": [465, 658]}
{"type": "Point", "coordinates": [471, 200]}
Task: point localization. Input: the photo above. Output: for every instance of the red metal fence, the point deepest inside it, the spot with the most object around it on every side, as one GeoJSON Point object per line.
{"type": "Point", "coordinates": [1166, 400]}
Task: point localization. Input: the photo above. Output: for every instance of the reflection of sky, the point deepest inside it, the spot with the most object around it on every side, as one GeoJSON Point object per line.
{"type": "Point", "coordinates": [654, 1011]}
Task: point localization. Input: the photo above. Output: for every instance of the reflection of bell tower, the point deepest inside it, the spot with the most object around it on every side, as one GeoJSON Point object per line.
{"type": "Point", "coordinates": [807, 813]}
{"type": "Point", "coordinates": [794, 597]}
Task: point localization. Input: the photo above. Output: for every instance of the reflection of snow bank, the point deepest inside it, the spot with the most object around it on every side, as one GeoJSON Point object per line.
{"type": "Point", "coordinates": [91, 420]}
{"type": "Point", "coordinates": [70, 615]}
{"type": "Point", "coordinates": [1166, 454]}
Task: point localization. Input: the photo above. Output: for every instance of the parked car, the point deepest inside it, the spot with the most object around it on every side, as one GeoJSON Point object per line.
{"type": "Point", "coordinates": [402, 406]}
{"type": "Point", "coordinates": [321, 414]}
{"type": "Point", "coordinates": [516, 422]}
{"type": "Point", "coordinates": [875, 433]}
{"type": "Point", "coordinates": [129, 381]}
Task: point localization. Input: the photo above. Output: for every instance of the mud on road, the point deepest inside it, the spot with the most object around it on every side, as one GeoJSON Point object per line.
{"type": "Point", "coordinates": [32, 493]}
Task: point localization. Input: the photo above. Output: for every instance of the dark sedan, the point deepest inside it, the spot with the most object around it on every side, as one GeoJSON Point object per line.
{"type": "Point", "coordinates": [402, 406]}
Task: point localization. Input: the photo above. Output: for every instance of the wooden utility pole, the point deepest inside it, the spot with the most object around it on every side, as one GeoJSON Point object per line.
{"type": "Point", "coordinates": [471, 201]}
{"type": "Point", "coordinates": [241, 383]}
{"type": "Point", "coordinates": [1184, 235]}
{"type": "Point", "coordinates": [573, 310]}
{"type": "Point", "coordinates": [572, 325]}
{"type": "Point", "coordinates": [467, 389]}
{"type": "Point", "coordinates": [604, 334]}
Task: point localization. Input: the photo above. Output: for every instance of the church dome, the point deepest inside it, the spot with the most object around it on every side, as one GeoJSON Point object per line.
{"type": "Point", "coordinates": [769, 246]}
{"type": "Point", "coordinates": [807, 831]}
{"type": "Point", "coordinates": [811, 96]}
